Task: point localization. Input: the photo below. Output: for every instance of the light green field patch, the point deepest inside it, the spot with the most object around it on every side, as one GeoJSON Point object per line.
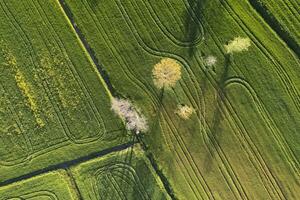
{"type": "Point", "coordinates": [54, 105]}
{"type": "Point", "coordinates": [50, 186]}
{"type": "Point", "coordinates": [127, 174]}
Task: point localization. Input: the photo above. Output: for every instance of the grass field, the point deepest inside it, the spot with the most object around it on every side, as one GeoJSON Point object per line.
{"type": "Point", "coordinates": [62, 62]}
{"type": "Point", "coordinates": [54, 105]}
{"type": "Point", "coordinates": [50, 186]}
{"type": "Point", "coordinates": [127, 174]}
{"type": "Point", "coordinates": [243, 141]}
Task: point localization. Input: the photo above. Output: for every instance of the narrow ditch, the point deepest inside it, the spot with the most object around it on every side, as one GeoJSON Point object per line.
{"type": "Point", "coordinates": [269, 18]}
{"type": "Point", "coordinates": [74, 184]}
{"type": "Point", "coordinates": [159, 173]}
{"type": "Point", "coordinates": [87, 47]}
{"type": "Point", "coordinates": [68, 164]}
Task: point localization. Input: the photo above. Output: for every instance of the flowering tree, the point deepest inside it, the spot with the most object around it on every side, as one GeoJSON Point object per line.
{"type": "Point", "coordinates": [126, 111]}
{"type": "Point", "coordinates": [166, 73]}
{"type": "Point", "coordinates": [238, 44]}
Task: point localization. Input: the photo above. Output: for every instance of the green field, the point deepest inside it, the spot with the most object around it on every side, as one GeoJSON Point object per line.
{"type": "Point", "coordinates": [242, 142]}
{"type": "Point", "coordinates": [123, 175]}
{"type": "Point", "coordinates": [50, 186]}
{"type": "Point", "coordinates": [63, 61]}
{"type": "Point", "coordinates": [54, 106]}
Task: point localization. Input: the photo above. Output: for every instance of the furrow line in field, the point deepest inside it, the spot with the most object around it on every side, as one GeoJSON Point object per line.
{"type": "Point", "coordinates": [225, 159]}
{"type": "Point", "coordinates": [176, 15]}
{"type": "Point", "coordinates": [134, 179]}
{"type": "Point", "coordinates": [275, 25]}
{"type": "Point", "coordinates": [153, 53]}
{"type": "Point", "coordinates": [125, 64]}
{"type": "Point", "coordinates": [169, 56]}
{"type": "Point", "coordinates": [115, 185]}
{"type": "Point", "coordinates": [280, 139]}
{"type": "Point", "coordinates": [233, 114]}
{"type": "Point", "coordinates": [28, 43]}
{"type": "Point", "coordinates": [252, 150]}
{"type": "Point", "coordinates": [292, 4]}
{"type": "Point", "coordinates": [167, 32]}
{"type": "Point", "coordinates": [69, 164]}
{"type": "Point", "coordinates": [74, 184]}
{"type": "Point", "coordinates": [76, 75]}
{"type": "Point", "coordinates": [213, 81]}
{"type": "Point", "coordinates": [89, 50]}
{"type": "Point", "coordinates": [69, 16]}
{"type": "Point", "coordinates": [277, 64]}
{"type": "Point", "coordinates": [199, 63]}
{"type": "Point", "coordinates": [292, 9]}
{"type": "Point", "coordinates": [79, 80]}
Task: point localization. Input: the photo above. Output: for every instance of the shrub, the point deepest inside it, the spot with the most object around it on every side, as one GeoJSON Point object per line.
{"type": "Point", "coordinates": [184, 111]}
{"type": "Point", "coordinates": [238, 44]}
{"type": "Point", "coordinates": [210, 61]}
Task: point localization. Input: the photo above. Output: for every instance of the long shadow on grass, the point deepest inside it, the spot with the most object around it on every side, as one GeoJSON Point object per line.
{"type": "Point", "coordinates": [94, 3]}
{"type": "Point", "coordinates": [215, 127]}
{"type": "Point", "coordinates": [192, 26]}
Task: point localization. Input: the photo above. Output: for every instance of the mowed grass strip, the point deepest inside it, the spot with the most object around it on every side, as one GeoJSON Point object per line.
{"type": "Point", "coordinates": [242, 141]}
{"type": "Point", "coordinates": [127, 174]}
{"type": "Point", "coordinates": [52, 185]}
{"type": "Point", "coordinates": [54, 104]}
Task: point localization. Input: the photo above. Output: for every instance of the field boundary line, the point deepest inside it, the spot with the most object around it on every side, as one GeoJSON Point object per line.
{"type": "Point", "coordinates": [68, 164]}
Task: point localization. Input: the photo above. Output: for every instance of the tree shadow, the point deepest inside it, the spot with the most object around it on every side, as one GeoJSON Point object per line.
{"type": "Point", "coordinates": [94, 3]}
{"type": "Point", "coordinates": [192, 24]}
{"type": "Point", "coordinates": [215, 129]}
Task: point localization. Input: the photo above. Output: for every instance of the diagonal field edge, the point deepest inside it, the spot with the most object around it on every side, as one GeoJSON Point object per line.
{"type": "Point", "coordinates": [69, 16]}
{"type": "Point", "coordinates": [275, 26]}
{"type": "Point", "coordinates": [68, 164]}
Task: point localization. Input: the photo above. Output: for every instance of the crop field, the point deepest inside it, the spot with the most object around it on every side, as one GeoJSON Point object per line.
{"type": "Point", "coordinates": [50, 186]}
{"type": "Point", "coordinates": [242, 142]}
{"type": "Point", "coordinates": [127, 174]}
{"type": "Point", "coordinates": [54, 106]}
{"type": "Point", "coordinates": [225, 126]}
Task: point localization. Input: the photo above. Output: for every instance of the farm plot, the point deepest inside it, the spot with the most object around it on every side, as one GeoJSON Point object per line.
{"type": "Point", "coordinates": [242, 141]}
{"type": "Point", "coordinates": [53, 103]}
{"type": "Point", "coordinates": [127, 174]}
{"type": "Point", "coordinates": [284, 17]}
{"type": "Point", "coordinates": [53, 185]}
